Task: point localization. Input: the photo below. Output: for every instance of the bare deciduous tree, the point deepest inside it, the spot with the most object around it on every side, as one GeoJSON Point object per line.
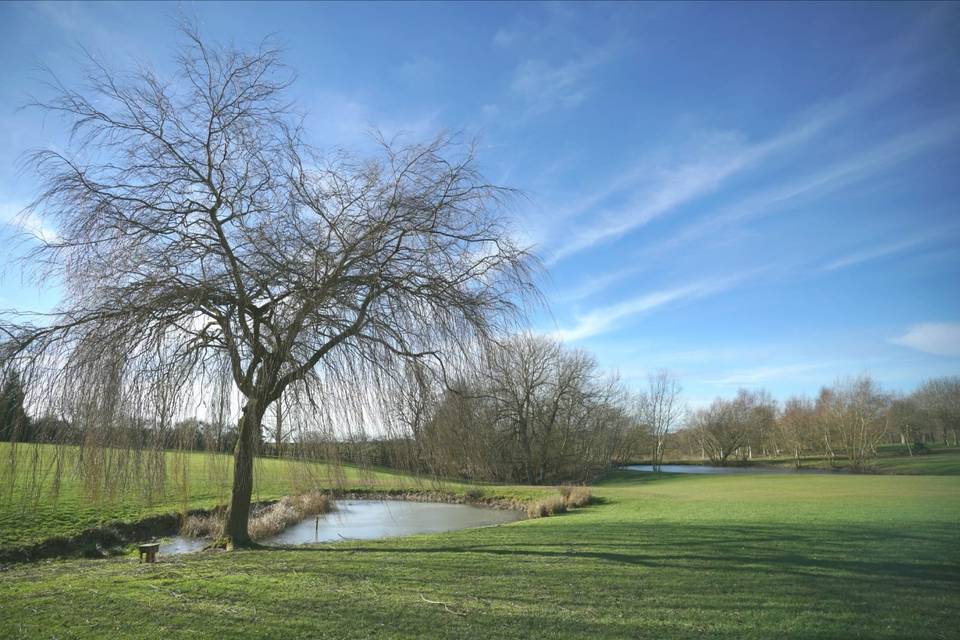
{"type": "Point", "coordinates": [660, 409]}
{"type": "Point", "coordinates": [726, 426]}
{"type": "Point", "coordinates": [854, 412]}
{"type": "Point", "coordinates": [796, 426]}
{"type": "Point", "coordinates": [905, 418]}
{"type": "Point", "coordinates": [529, 410]}
{"type": "Point", "coordinates": [198, 233]}
{"type": "Point", "coordinates": [939, 400]}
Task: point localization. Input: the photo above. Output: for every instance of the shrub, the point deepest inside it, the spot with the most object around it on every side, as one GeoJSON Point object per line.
{"type": "Point", "coordinates": [290, 510]}
{"type": "Point", "coordinates": [209, 525]}
{"type": "Point", "coordinates": [273, 520]}
{"type": "Point", "coordinates": [577, 497]}
{"type": "Point", "coordinates": [266, 520]}
{"type": "Point", "coordinates": [474, 493]}
{"type": "Point", "coordinates": [308, 504]}
{"type": "Point", "coordinates": [547, 507]}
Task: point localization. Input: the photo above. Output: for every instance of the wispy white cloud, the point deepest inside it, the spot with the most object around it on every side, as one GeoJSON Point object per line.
{"type": "Point", "coordinates": [506, 36]}
{"type": "Point", "coordinates": [655, 191]}
{"type": "Point", "coordinates": [490, 110]}
{"type": "Point", "coordinates": [876, 252]}
{"type": "Point", "coordinates": [938, 338]}
{"type": "Point", "coordinates": [605, 319]}
{"type": "Point", "coordinates": [556, 63]}
{"type": "Point", "coordinates": [341, 120]}
{"type": "Point", "coordinates": [680, 184]}
{"type": "Point", "coordinates": [862, 165]}
{"type": "Point", "coordinates": [545, 86]}
{"type": "Point", "coordinates": [756, 375]}
{"type": "Point", "coordinates": [419, 69]}
{"type": "Point", "coordinates": [17, 217]}
{"type": "Point", "coordinates": [595, 285]}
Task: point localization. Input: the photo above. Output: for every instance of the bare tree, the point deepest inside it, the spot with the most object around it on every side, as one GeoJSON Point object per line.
{"type": "Point", "coordinates": [198, 233]}
{"type": "Point", "coordinates": [796, 425]}
{"type": "Point", "coordinates": [529, 410]}
{"type": "Point", "coordinates": [939, 400]}
{"type": "Point", "coordinates": [905, 418]}
{"type": "Point", "coordinates": [760, 414]}
{"type": "Point", "coordinates": [855, 413]}
{"type": "Point", "coordinates": [660, 409]}
{"type": "Point", "coordinates": [717, 432]}
{"type": "Point", "coordinates": [280, 431]}
{"type": "Point", "coordinates": [726, 426]}
{"type": "Point", "coordinates": [521, 370]}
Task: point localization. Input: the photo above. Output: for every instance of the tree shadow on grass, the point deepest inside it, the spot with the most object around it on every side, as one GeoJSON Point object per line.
{"type": "Point", "coordinates": [843, 553]}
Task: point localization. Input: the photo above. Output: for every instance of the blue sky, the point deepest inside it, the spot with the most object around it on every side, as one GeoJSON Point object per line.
{"type": "Point", "coordinates": [748, 195]}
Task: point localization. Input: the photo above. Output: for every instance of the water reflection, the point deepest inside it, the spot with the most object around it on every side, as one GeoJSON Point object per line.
{"type": "Point", "coordinates": [704, 469]}
{"type": "Point", "coordinates": [367, 519]}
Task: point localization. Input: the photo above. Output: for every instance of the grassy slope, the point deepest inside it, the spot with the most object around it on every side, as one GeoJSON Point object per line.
{"type": "Point", "coordinates": [893, 459]}
{"type": "Point", "coordinates": [27, 518]}
{"type": "Point", "coordinates": [939, 461]}
{"type": "Point", "coordinates": [669, 557]}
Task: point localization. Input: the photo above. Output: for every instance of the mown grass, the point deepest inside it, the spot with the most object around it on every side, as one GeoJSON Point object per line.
{"type": "Point", "coordinates": [33, 510]}
{"type": "Point", "coordinates": [837, 556]}
{"type": "Point", "coordinates": [938, 460]}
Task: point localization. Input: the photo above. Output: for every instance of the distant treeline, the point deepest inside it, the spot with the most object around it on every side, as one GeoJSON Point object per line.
{"type": "Point", "coordinates": [848, 420]}
{"type": "Point", "coordinates": [188, 434]}
{"type": "Point", "coordinates": [534, 411]}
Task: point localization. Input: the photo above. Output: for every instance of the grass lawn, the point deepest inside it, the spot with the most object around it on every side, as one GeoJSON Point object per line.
{"type": "Point", "coordinates": [835, 556]}
{"type": "Point", "coordinates": [891, 459]}
{"type": "Point", "coordinates": [896, 460]}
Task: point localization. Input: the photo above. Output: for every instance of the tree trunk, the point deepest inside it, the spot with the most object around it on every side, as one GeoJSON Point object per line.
{"type": "Point", "coordinates": [526, 452]}
{"type": "Point", "coordinates": [279, 433]}
{"type": "Point", "coordinates": [658, 456]}
{"type": "Point", "coordinates": [247, 439]}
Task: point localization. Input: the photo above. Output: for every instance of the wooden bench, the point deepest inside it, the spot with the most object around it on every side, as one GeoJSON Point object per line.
{"type": "Point", "coordinates": [149, 550]}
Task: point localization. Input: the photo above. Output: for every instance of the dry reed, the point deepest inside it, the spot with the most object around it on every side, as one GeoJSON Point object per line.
{"type": "Point", "coordinates": [266, 520]}
{"type": "Point", "coordinates": [547, 507]}
{"type": "Point", "coordinates": [577, 497]}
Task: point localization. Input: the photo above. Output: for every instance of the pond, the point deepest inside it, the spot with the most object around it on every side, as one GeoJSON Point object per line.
{"type": "Point", "coordinates": [368, 519]}
{"type": "Point", "coordinates": [705, 469]}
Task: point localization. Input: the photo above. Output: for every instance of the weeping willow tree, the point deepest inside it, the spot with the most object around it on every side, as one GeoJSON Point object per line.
{"type": "Point", "coordinates": [203, 244]}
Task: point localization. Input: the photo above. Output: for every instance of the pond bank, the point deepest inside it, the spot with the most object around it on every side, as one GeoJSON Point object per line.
{"type": "Point", "coordinates": [114, 538]}
{"type": "Point", "coordinates": [369, 519]}
{"type": "Point", "coordinates": [702, 469]}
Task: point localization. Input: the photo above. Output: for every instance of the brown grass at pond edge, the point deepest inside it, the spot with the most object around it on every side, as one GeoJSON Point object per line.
{"type": "Point", "coordinates": [271, 519]}
{"type": "Point", "coordinates": [110, 538]}
{"type": "Point", "coordinates": [266, 520]}
{"type": "Point", "coordinates": [569, 498]}
{"type": "Point", "coordinates": [576, 497]}
{"type": "Point", "coordinates": [547, 507]}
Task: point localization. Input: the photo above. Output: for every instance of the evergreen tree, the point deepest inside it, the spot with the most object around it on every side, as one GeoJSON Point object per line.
{"type": "Point", "coordinates": [14, 423]}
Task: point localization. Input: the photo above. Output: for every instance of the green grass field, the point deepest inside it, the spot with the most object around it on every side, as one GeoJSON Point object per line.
{"type": "Point", "coordinates": [837, 556]}
{"type": "Point", "coordinates": [945, 462]}
{"type": "Point", "coordinates": [939, 460]}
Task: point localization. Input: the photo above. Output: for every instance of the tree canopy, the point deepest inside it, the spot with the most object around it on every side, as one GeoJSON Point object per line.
{"type": "Point", "coordinates": [202, 239]}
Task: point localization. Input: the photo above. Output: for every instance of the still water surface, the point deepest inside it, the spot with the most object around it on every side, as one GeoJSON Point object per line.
{"type": "Point", "coordinates": [704, 469]}
{"type": "Point", "coordinates": [368, 519]}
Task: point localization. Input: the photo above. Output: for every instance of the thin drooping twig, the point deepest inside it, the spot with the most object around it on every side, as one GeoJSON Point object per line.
{"type": "Point", "coordinates": [445, 605]}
